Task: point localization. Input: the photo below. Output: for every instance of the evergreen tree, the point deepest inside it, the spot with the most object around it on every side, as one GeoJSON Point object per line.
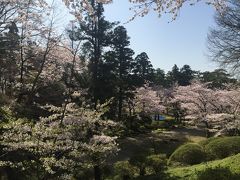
{"type": "Point", "coordinates": [186, 75]}
{"type": "Point", "coordinates": [143, 68]}
{"type": "Point", "coordinates": [173, 76]}
{"type": "Point", "coordinates": [94, 32]}
{"type": "Point", "coordinates": [159, 77]}
{"type": "Point", "coordinates": [120, 63]}
{"type": "Point", "coordinates": [9, 45]}
{"type": "Point", "coordinates": [218, 78]}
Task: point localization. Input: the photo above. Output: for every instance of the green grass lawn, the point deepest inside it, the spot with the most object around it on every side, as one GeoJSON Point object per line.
{"type": "Point", "coordinates": [185, 173]}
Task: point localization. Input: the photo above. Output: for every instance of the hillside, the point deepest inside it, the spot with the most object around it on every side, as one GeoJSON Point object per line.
{"type": "Point", "coordinates": [233, 163]}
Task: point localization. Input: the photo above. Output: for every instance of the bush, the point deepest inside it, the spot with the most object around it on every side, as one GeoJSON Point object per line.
{"type": "Point", "coordinates": [139, 159]}
{"type": "Point", "coordinates": [217, 173]}
{"type": "Point", "coordinates": [220, 148]}
{"type": "Point", "coordinates": [208, 140]}
{"type": "Point", "coordinates": [188, 154]}
{"type": "Point", "coordinates": [157, 162]}
{"type": "Point", "coordinates": [138, 123]}
{"type": "Point", "coordinates": [124, 170]}
{"type": "Point", "coordinates": [4, 99]}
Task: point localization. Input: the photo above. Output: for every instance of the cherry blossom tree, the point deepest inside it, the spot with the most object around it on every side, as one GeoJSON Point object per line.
{"type": "Point", "coordinates": [149, 100]}
{"type": "Point", "coordinates": [214, 107]}
{"type": "Point", "coordinates": [70, 140]}
{"type": "Point", "coordinates": [142, 7]}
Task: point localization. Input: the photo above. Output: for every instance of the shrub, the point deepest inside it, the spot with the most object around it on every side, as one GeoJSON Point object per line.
{"type": "Point", "coordinates": [220, 148]}
{"type": "Point", "coordinates": [124, 170]}
{"type": "Point", "coordinates": [139, 159]}
{"type": "Point", "coordinates": [208, 140]}
{"type": "Point", "coordinates": [157, 162]}
{"type": "Point", "coordinates": [4, 99]}
{"type": "Point", "coordinates": [138, 123]}
{"type": "Point", "coordinates": [217, 173]}
{"type": "Point", "coordinates": [188, 154]}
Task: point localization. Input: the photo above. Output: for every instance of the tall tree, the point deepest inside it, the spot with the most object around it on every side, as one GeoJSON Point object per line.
{"type": "Point", "coordinates": [218, 78]}
{"type": "Point", "coordinates": [173, 76]}
{"type": "Point", "coordinates": [143, 68]}
{"type": "Point", "coordinates": [122, 65]}
{"type": "Point", "coordinates": [186, 75]}
{"type": "Point", "coordinates": [159, 77]}
{"type": "Point", "coordinates": [94, 31]}
{"type": "Point", "coordinates": [9, 44]}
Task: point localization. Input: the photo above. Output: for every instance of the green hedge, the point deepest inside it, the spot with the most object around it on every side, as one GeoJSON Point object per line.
{"type": "Point", "coordinates": [217, 173]}
{"type": "Point", "coordinates": [188, 154]}
{"type": "Point", "coordinates": [219, 148]}
{"type": "Point", "coordinates": [157, 162]}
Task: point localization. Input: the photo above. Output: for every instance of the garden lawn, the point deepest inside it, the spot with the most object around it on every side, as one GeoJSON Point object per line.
{"type": "Point", "coordinates": [232, 162]}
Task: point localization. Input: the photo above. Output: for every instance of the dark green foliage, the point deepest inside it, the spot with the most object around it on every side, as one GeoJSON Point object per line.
{"type": "Point", "coordinates": [218, 148]}
{"type": "Point", "coordinates": [137, 123]}
{"type": "Point", "coordinates": [158, 162]}
{"type": "Point", "coordinates": [218, 78]}
{"type": "Point", "coordinates": [188, 154]}
{"type": "Point", "coordinates": [208, 140]}
{"type": "Point", "coordinates": [121, 60]}
{"type": "Point", "coordinates": [182, 77]}
{"type": "Point", "coordinates": [139, 159]}
{"type": "Point", "coordinates": [172, 77]}
{"type": "Point", "coordinates": [157, 177]}
{"type": "Point", "coordinates": [186, 75]}
{"type": "Point", "coordinates": [159, 77]}
{"type": "Point", "coordinates": [217, 173]}
{"type": "Point", "coordinates": [84, 173]}
{"type": "Point", "coordinates": [190, 172]}
{"type": "Point", "coordinates": [51, 94]}
{"type": "Point", "coordinates": [9, 43]}
{"type": "Point", "coordinates": [29, 111]}
{"type": "Point", "coordinates": [4, 99]}
{"type": "Point", "coordinates": [124, 170]}
{"type": "Point", "coordinates": [143, 69]}
{"type": "Point", "coordinates": [95, 36]}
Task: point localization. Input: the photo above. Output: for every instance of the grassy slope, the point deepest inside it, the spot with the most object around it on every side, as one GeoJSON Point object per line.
{"type": "Point", "coordinates": [232, 162]}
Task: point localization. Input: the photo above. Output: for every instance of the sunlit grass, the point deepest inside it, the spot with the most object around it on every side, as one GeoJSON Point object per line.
{"type": "Point", "coordinates": [232, 162]}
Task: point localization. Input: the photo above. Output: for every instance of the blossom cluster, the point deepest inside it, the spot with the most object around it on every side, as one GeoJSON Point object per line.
{"type": "Point", "coordinates": [215, 106]}
{"type": "Point", "coordinates": [142, 7]}
{"type": "Point", "coordinates": [59, 143]}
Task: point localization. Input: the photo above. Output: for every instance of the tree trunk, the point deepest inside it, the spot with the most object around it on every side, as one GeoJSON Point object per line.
{"type": "Point", "coordinates": [120, 103]}
{"type": "Point", "coordinates": [142, 171]}
{"type": "Point", "coordinates": [97, 173]}
{"type": "Point", "coordinates": [206, 129]}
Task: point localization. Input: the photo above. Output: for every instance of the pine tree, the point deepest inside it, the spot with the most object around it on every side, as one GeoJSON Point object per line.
{"type": "Point", "coordinates": [120, 62]}
{"type": "Point", "coordinates": [143, 68]}
{"type": "Point", "coordinates": [94, 33]}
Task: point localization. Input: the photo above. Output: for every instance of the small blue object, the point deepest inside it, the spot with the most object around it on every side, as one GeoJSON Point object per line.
{"type": "Point", "coordinates": [159, 117]}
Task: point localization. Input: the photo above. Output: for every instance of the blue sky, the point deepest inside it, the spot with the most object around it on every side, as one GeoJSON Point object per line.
{"type": "Point", "coordinates": [180, 42]}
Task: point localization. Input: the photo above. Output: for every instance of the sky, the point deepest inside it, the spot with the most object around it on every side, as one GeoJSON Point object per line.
{"type": "Point", "coordinates": [180, 42]}
{"type": "Point", "coordinates": [183, 41]}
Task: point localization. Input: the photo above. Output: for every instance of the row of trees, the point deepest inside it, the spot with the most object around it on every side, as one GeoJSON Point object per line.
{"type": "Point", "coordinates": [217, 108]}
{"type": "Point", "coordinates": [185, 75]}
